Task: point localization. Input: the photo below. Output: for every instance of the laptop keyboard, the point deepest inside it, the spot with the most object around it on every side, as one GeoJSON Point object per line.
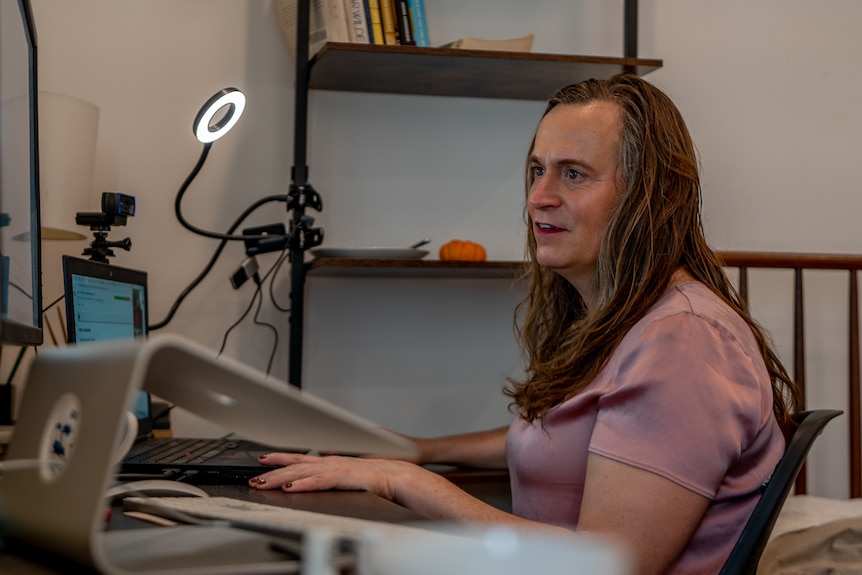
{"type": "Point", "coordinates": [179, 451]}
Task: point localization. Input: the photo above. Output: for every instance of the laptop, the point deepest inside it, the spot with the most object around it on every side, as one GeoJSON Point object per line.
{"type": "Point", "coordinates": [104, 303]}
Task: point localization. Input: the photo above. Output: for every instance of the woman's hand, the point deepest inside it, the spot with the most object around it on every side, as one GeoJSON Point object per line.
{"type": "Point", "coordinates": [299, 472]}
{"type": "Point", "coordinates": [401, 482]}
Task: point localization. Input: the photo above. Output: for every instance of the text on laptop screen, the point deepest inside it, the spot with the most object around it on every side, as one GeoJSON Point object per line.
{"type": "Point", "coordinates": [107, 309]}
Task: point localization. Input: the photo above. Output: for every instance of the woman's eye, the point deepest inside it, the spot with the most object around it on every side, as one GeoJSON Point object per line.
{"type": "Point", "coordinates": [538, 171]}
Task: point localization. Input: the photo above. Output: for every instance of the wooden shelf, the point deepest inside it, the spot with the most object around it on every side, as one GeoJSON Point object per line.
{"type": "Point", "coordinates": [456, 72]}
{"type": "Point", "coordinates": [356, 267]}
{"type": "Point", "coordinates": [359, 267]}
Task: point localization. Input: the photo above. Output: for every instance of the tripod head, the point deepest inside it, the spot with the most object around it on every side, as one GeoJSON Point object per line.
{"type": "Point", "coordinates": [115, 209]}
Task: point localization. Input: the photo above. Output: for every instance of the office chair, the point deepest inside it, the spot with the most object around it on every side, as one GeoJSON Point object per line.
{"type": "Point", "coordinates": [749, 547]}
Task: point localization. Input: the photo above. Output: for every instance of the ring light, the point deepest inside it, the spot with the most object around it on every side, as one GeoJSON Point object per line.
{"type": "Point", "coordinates": [231, 98]}
{"type": "Point", "coordinates": [207, 130]}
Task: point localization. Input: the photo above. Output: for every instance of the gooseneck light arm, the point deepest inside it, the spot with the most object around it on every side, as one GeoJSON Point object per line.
{"type": "Point", "coordinates": [207, 130]}
{"type": "Point", "coordinates": [194, 283]}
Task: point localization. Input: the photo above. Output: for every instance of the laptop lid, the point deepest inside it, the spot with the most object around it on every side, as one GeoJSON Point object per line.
{"type": "Point", "coordinates": [105, 302]}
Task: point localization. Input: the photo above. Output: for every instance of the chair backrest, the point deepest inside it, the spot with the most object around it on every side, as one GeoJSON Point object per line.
{"type": "Point", "coordinates": [749, 547]}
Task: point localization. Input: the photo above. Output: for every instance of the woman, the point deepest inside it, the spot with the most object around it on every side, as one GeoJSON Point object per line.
{"type": "Point", "coordinates": [652, 406]}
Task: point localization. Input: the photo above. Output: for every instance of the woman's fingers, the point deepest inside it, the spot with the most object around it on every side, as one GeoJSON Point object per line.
{"type": "Point", "coordinates": [300, 472]}
{"type": "Point", "coordinates": [280, 462]}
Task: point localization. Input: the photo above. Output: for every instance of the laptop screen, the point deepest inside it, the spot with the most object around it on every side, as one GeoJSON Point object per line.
{"type": "Point", "coordinates": [106, 309]}
{"type": "Point", "coordinates": [106, 302]}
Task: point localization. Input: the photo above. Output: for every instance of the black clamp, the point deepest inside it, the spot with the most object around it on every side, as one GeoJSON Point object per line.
{"type": "Point", "coordinates": [303, 236]}
{"type": "Point", "coordinates": [305, 196]}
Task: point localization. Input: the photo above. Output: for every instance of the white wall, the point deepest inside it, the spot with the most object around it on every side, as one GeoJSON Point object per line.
{"type": "Point", "coordinates": [768, 89]}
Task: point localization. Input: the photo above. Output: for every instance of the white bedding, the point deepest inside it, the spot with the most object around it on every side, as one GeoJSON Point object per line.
{"type": "Point", "coordinates": [815, 536]}
{"type": "Point", "coordinates": [804, 511]}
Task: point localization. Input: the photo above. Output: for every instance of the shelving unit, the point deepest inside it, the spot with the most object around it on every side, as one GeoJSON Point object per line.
{"type": "Point", "coordinates": [425, 71]}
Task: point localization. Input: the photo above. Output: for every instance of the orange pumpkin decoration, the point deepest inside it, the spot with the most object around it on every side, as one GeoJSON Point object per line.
{"type": "Point", "coordinates": [463, 250]}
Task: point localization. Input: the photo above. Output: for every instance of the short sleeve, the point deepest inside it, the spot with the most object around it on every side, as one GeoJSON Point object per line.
{"type": "Point", "coordinates": [684, 399]}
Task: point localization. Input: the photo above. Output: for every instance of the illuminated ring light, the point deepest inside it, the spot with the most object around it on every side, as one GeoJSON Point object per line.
{"type": "Point", "coordinates": [230, 97]}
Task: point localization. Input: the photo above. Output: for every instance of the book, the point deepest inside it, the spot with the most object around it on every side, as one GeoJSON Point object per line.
{"type": "Point", "coordinates": [337, 17]}
{"type": "Point", "coordinates": [420, 24]}
{"type": "Point", "coordinates": [402, 23]}
{"type": "Point", "coordinates": [326, 23]}
{"type": "Point", "coordinates": [375, 21]}
{"type": "Point", "coordinates": [387, 16]}
{"type": "Point", "coordinates": [357, 24]}
{"type": "Point", "coordinates": [522, 44]}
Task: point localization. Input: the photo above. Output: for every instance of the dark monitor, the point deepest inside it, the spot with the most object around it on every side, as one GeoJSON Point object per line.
{"type": "Point", "coordinates": [20, 250]}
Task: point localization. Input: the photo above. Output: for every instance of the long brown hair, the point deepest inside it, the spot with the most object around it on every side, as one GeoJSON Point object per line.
{"type": "Point", "coordinates": [654, 230]}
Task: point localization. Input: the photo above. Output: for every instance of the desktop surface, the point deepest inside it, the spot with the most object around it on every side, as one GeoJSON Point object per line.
{"type": "Point", "coordinates": [359, 504]}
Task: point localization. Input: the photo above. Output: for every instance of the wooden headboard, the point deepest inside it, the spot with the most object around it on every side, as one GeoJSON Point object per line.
{"type": "Point", "coordinates": [744, 261]}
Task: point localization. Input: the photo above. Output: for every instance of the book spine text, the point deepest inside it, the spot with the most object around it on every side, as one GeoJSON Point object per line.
{"type": "Point", "coordinates": [420, 24]}
{"type": "Point", "coordinates": [357, 25]}
{"type": "Point", "coordinates": [402, 23]}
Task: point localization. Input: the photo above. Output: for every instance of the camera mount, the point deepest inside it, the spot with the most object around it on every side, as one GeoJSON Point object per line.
{"type": "Point", "coordinates": [115, 210]}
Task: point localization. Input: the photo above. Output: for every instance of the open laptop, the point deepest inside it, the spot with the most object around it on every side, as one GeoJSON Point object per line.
{"type": "Point", "coordinates": [105, 302]}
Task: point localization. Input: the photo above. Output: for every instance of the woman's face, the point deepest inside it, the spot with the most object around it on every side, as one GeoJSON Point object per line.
{"type": "Point", "coordinates": [575, 188]}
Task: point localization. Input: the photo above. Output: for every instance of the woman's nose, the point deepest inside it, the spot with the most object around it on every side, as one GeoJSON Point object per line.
{"type": "Point", "coordinates": [543, 195]}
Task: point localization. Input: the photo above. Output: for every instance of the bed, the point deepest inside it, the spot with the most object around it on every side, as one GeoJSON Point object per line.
{"type": "Point", "coordinates": [816, 532]}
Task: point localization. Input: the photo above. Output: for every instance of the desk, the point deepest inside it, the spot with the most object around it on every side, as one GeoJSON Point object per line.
{"type": "Point", "coordinates": [490, 486]}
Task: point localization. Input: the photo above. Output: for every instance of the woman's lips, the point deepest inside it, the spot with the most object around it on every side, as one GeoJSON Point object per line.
{"type": "Point", "coordinates": [545, 228]}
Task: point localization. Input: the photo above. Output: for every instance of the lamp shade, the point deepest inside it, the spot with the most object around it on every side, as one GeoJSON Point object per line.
{"type": "Point", "coordinates": [68, 130]}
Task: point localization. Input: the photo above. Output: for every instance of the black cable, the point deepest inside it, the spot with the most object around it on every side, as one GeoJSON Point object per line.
{"type": "Point", "coordinates": [257, 292]}
{"type": "Point", "coordinates": [273, 270]}
{"type": "Point", "coordinates": [209, 266]}
{"type": "Point", "coordinates": [192, 228]}
{"type": "Point", "coordinates": [270, 326]}
{"type": "Point", "coordinates": [53, 303]}
{"type": "Point", "coordinates": [20, 289]}
{"type": "Point", "coordinates": [284, 256]}
{"type": "Point", "coordinates": [237, 322]}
